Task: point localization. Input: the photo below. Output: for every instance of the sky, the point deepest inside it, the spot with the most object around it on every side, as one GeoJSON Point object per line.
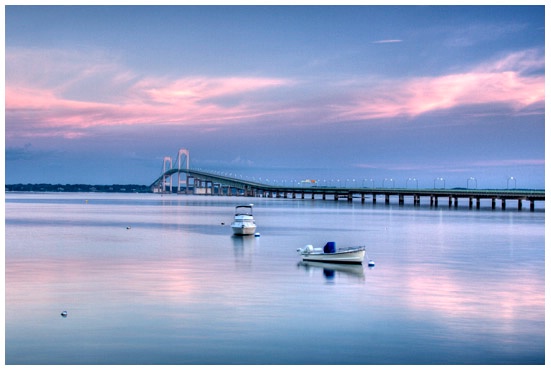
{"type": "Point", "coordinates": [363, 93]}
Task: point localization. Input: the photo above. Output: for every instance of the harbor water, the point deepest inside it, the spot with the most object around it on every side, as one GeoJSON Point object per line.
{"type": "Point", "coordinates": [159, 279]}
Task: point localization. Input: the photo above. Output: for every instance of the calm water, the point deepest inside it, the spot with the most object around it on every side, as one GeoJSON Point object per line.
{"type": "Point", "coordinates": [450, 286]}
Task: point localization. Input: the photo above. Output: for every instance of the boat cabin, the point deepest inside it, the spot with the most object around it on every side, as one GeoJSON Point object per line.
{"type": "Point", "coordinates": [244, 210]}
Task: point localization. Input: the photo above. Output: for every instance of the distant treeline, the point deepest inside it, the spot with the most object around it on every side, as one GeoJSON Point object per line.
{"type": "Point", "coordinates": [43, 187]}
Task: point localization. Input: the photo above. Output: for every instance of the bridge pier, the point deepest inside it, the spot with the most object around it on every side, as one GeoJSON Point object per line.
{"type": "Point", "coordinates": [387, 199]}
{"type": "Point", "coordinates": [180, 181]}
{"type": "Point", "coordinates": [167, 182]}
{"type": "Point", "coordinates": [400, 199]}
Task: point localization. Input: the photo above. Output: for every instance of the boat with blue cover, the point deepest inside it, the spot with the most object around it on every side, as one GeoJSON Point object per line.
{"type": "Point", "coordinates": [330, 253]}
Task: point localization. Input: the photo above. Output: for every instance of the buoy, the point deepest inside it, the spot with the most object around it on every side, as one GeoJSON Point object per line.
{"type": "Point", "coordinates": [222, 223]}
{"type": "Point", "coordinates": [64, 313]}
{"type": "Point", "coordinates": [371, 263]}
{"type": "Point", "coordinates": [128, 227]}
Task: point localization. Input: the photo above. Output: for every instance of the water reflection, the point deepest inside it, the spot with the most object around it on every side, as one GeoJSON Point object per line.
{"type": "Point", "coordinates": [243, 250]}
{"type": "Point", "coordinates": [449, 287]}
{"type": "Point", "coordinates": [334, 272]}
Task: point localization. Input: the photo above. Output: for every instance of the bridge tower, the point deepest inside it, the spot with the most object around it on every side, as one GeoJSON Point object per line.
{"type": "Point", "coordinates": [167, 179]}
{"type": "Point", "coordinates": [183, 152]}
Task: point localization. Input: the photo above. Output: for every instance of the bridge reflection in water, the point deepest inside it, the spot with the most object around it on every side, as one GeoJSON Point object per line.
{"type": "Point", "coordinates": [207, 183]}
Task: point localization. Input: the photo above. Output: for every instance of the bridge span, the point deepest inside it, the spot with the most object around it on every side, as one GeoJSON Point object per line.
{"type": "Point", "coordinates": [209, 183]}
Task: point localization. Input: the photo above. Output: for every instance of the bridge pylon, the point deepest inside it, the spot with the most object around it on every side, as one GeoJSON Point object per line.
{"type": "Point", "coordinates": [183, 152]}
{"type": "Point", "coordinates": [167, 179]}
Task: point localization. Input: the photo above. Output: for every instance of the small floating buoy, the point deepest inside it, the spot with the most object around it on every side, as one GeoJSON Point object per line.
{"type": "Point", "coordinates": [371, 263]}
{"type": "Point", "coordinates": [222, 223]}
{"type": "Point", "coordinates": [128, 227]}
{"type": "Point", "coordinates": [64, 313]}
{"type": "Point", "coordinates": [257, 234]}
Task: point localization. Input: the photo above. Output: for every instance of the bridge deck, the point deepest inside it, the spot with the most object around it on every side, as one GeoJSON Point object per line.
{"type": "Point", "coordinates": [252, 188]}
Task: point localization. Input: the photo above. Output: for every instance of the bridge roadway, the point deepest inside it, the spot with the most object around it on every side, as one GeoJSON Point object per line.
{"type": "Point", "coordinates": [209, 182]}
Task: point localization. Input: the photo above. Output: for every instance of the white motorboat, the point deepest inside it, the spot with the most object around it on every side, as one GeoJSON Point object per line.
{"type": "Point", "coordinates": [330, 253]}
{"type": "Point", "coordinates": [243, 223]}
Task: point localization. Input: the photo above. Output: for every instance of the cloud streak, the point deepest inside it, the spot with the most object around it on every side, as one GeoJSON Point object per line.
{"type": "Point", "coordinates": [389, 41]}
{"type": "Point", "coordinates": [70, 93]}
{"type": "Point", "coordinates": [506, 81]}
{"type": "Point", "coordinates": [95, 96]}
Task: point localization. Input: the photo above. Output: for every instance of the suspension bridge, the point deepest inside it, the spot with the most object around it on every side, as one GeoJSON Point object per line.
{"type": "Point", "coordinates": [200, 182]}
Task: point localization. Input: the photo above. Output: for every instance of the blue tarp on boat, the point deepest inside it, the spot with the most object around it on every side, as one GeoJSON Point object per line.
{"type": "Point", "coordinates": [330, 247]}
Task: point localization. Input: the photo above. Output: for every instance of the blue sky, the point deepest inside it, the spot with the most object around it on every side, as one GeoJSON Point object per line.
{"type": "Point", "coordinates": [102, 94]}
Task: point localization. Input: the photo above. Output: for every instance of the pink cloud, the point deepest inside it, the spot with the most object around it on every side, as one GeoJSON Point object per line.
{"type": "Point", "coordinates": [85, 91]}
{"type": "Point", "coordinates": [149, 101]}
{"type": "Point", "coordinates": [200, 88]}
{"type": "Point", "coordinates": [502, 82]}
{"type": "Point", "coordinates": [70, 92]}
{"type": "Point", "coordinates": [158, 96]}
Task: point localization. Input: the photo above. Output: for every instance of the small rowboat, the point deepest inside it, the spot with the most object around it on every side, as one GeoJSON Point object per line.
{"type": "Point", "coordinates": [330, 253]}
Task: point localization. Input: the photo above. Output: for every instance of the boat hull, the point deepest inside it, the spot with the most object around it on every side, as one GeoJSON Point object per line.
{"type": "Point", "coordinates": [352, 257]}
{"type": "Point", "coordinates": [243, 230]}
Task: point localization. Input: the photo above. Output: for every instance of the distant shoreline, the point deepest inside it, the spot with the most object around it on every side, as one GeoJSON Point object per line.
{"type": "Point", "coordinates": [45, 187]}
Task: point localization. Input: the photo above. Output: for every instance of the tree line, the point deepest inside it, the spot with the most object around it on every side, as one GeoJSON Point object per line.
{"type": "Point", "coordinates": [45, 187]}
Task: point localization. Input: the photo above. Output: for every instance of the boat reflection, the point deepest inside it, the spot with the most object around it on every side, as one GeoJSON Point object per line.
{"type": "Point", "coordinates": [333, 271]}
{"type": "Point", "coordinates": [243, 250]}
